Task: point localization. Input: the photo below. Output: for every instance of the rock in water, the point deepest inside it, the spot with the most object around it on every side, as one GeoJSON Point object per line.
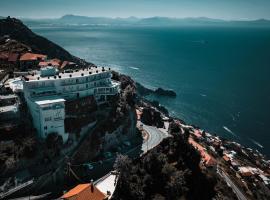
{"type": "Point", "coordinates": [163, 92]}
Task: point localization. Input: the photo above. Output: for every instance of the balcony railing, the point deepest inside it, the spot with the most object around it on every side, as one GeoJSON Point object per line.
{"type": "Point", "coordinates": [82, 81]}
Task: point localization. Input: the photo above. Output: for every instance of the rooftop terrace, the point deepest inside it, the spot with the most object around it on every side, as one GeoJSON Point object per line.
{"type": "Point", "coordinates": [35, 76]}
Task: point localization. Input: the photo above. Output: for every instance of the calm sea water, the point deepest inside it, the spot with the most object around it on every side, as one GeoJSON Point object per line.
{"type": "Point", "coordinates": [221, 75]}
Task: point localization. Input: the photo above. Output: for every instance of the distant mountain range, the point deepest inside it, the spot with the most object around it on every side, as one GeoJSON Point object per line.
{"type": "Point", "coordinates": [151, 21]}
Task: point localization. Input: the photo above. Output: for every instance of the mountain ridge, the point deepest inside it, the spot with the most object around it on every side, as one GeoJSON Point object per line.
{"type": "Point", "coordinates": [71, 19]}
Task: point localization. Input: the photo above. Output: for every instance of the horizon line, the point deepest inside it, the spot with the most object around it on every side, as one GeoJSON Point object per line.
{"type": "Point", "coordinates": [169, 17]}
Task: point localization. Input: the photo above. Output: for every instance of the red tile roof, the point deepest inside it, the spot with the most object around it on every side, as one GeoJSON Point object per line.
{"type": "Point", "coordinates": [51, 62]}
{"type": "Point", "coordinates": [197, 133]}
{"type": "Point", "coordinates": [13, 57]}
{"type": "Point", "coordinates": [3, 56]}
{"type": "Point", "coordinates": [84, 192]}
{"type": "Point", "coordinates": [56, 60]}
{"type": "Point", "coordinates": [32, 56]}
{"type": "Point", "coordinates": [65, 63]}
{"type": "Point", "coordinates": [207, 158]}
{"type": "Point", "coordinates": [226, 158]}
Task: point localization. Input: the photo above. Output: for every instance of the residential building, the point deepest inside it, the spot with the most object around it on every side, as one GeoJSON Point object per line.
{"type": "Point", "coordinates": [31, 60]}
{"type": "Point", "coordinates": [84, 192]}
{"type": "Point", "coordinates": [53, 62]}
{"type": "Point", "coordinates": [9, 60]}
{"type": "Point", "coordinates": [48, 117]}
{"type": "Point", "coordinates": [207, 159]}
{"type": "Point", "coordinates": [9, 112]}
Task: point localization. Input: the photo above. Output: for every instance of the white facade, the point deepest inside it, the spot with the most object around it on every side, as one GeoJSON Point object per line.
{"type": "Point", "coordinates": [71, 85]}
{"type": "Point", "coordinates": [45, 95]}
{"type": "Point", "coordinates": [49, 116]}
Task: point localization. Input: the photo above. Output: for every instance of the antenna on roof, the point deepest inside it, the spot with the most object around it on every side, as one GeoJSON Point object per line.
{"type": "Point", "coordinates": [92, 185]}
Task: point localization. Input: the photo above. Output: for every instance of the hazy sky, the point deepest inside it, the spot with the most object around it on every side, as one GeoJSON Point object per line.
{"type": "Point", "coordinates": [222, 9]}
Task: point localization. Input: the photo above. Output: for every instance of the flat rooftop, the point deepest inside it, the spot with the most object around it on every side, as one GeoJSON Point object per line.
{"type": "Point", "coordinates": [50, 101]}
{"type": "Point", "coordinates": [107, 184]}
{"type": "Point", "coordinates": [11, 108]}
{"type": "Point", "coordinates": [9, 96]}
{"type": "Point", "coordinates": [67, 74]}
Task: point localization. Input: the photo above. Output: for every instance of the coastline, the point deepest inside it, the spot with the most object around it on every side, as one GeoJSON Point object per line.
{"type": "Point", "coordinates": [218, 153]}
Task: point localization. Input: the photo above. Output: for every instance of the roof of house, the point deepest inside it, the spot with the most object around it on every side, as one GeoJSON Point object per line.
{"type": "Point", "coordinates": [48, 63]}
{"type": "Point", "coordinates": [226, 158]}
{"type": "Point", "coordinates": [107, 184]}
{"type": "Point", "coordinates": [248, 171]}
{"type": "Point", "coordinates": [32, 56]}
{"type": "Point", "coordinates": [84, 192]}
{"type": "Point", "coordinates": [56, 60]}
{"type": "Point", "coordinates": [207, 158]}
{"type": "Point", "coordinates": [13, 57]}
{"type": "Point", "coordinates": [197, 133]}
{"type": "Point", "coordinates": [3, 55]}
{"type": "Point", "coordinates": [139, 113]}
{"type": "Point", "coordinates": [64, 64]}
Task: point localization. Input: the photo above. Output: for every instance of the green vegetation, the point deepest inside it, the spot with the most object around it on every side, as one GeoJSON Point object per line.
{"type": "Point", "coordinates": [169, 171]}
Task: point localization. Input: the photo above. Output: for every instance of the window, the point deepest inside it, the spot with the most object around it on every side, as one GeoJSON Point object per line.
{"type": "Point", "coordinates": [45, 127]}
{"type": "Point", "coordinates": [77, 80]}
{"type": "Point", "coordinates": [48, 119]}
{"type": "Point", "coordinates": [86, 85]}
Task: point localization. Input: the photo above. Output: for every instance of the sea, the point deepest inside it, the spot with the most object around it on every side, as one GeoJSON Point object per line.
{"type": "Point", "coordinates": [221, 74]}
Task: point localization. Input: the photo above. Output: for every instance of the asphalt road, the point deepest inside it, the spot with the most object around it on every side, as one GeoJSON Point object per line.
{"type": "Point", "coordinates": [154, 138]}
{"type": "Point", "coordinates": [237, 191]}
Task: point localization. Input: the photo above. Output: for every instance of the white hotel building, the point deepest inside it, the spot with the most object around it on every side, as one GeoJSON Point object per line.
{"type": "Point", "coordinates": [46, 92]}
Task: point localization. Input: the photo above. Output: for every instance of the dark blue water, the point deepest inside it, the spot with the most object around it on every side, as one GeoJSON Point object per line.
{"type": "Point", "coordinates": [221, 74]}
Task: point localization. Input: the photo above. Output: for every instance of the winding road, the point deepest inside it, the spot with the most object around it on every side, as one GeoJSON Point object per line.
{"type": "Point", "coordinates": [155, 136]}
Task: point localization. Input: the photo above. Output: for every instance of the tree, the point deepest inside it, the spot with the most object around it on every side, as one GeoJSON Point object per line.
{"type": "Point", "coordinates": [122, 164]}
{"type": "Point", "coordinates": [54, 142]}
{"type": "Point", "coordinates": [176, 186]}
{"type": "Point", "coordinates": [29, 145]}
{"type": "Point", "coordinates": [174, 127]}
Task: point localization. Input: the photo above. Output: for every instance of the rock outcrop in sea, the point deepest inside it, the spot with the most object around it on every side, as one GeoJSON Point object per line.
{"type": "Point", "coordinates": [144, 91]}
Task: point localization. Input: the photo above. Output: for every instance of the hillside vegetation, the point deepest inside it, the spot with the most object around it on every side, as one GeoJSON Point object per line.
{"type": "Point", "coordinates": [169, 171]}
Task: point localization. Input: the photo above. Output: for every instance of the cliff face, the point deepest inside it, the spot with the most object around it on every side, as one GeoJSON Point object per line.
{"type": "Point", "coordinates": [38, 44]}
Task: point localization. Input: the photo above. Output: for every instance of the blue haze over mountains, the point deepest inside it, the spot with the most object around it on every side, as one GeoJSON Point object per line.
{"type": "Point", "coordinates": [151, 21]}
